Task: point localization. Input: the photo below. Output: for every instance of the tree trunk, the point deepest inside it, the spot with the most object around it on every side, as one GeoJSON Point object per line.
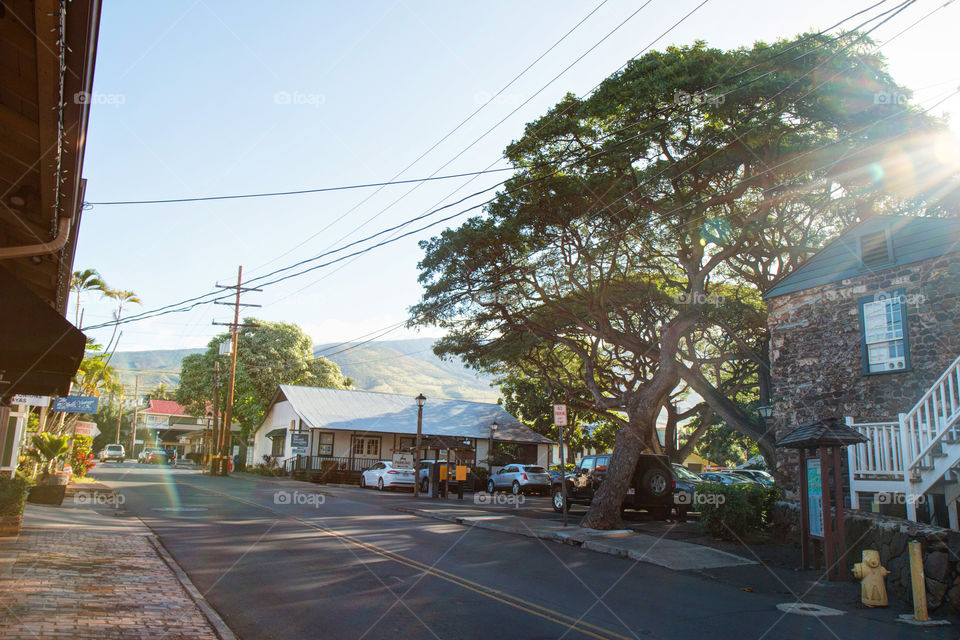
{"type": "Point", "coordinates": [604, 511]}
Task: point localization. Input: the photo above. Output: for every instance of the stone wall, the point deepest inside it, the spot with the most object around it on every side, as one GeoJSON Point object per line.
{"type": "Point", "coordinates": [889, 536]}
{"type": "Point", "coordinates": [815, 351]}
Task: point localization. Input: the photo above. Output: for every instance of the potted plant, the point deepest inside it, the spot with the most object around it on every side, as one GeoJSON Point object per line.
{"type": "Point", "coordinates": [52, 486]}
{"type": "Point", "coordinates": [13, 493]}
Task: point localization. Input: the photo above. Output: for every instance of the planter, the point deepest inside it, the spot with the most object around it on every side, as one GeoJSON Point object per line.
{"type": "Point", "coordinates": [10, 525]}
{"type": "Point", "coordinates": [47, 494]}
{"type": "Point", "coordinates": [62, 478]}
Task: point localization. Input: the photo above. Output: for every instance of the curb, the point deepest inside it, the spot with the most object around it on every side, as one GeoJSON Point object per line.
{"type": "Point", "coordinates": [220, 627]}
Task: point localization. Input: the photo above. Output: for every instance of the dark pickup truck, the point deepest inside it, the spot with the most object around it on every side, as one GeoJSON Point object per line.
{"type": "Point", "coordinates": [651, 489]}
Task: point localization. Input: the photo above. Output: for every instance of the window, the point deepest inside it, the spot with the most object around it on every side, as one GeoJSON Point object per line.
{"type": "Point", "coordinates": [406, 443]}
{"type": "Point", "coordinates": [366, 447]}
{"type": "Point", "coordinates": [325, 444]}
{"type": "Point", "coordinates": [875, 249]}
{"type": "Point", "coordinates": [883, 321]}
{"type": "Point", "coordinates": [587, 465]}
{"type": "Point", "coordinates": [602, 463]}
{"type": "Point", "coordinates": [277, 448]}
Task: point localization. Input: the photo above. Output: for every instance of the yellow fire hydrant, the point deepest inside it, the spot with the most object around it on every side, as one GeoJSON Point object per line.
{"type": "Point", "coordinates": [873, 591]}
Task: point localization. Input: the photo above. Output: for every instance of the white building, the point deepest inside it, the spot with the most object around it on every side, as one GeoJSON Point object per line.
{"type": "Point", "coordinates": [357, 428]}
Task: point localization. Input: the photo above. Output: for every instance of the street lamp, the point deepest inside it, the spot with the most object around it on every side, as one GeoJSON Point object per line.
{"type": "Point", "coordinates": [765, 412]}
{"type": "Point", "coordinates": [493, 429]}
{"type": "Point", "coordinates": [421, 400]}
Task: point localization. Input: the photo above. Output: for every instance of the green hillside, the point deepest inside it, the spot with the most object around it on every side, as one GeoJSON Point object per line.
{"type": "Point", "coordinates": [406, 367]}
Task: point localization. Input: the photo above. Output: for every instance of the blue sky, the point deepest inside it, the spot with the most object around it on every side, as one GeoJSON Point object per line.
{"type": "Point", "coordinates": [208, 98]}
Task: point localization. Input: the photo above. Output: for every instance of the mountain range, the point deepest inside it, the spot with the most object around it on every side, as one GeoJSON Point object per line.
{"type": "Point", "coordinates": [405, 367]}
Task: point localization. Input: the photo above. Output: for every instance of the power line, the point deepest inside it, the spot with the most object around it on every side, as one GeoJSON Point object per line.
{"type": "Point", "coordinates": [302, 191]}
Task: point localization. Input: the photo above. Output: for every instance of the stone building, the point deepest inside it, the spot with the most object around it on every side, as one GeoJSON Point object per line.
{"type": "Point", "coordinates": [863, 330]}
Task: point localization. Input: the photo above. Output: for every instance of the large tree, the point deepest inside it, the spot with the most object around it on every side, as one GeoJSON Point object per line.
{"type": "Point", "coordinates": [644, 219]}
{"type": "Point", "coordinates": [268, 355]}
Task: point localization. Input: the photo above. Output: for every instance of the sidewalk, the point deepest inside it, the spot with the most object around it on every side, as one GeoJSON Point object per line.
{"type": "Point", "coordinates": [76, 573]}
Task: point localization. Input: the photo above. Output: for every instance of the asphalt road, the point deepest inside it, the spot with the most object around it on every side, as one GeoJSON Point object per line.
{"type": "Point", "coordinates": [287, 565]}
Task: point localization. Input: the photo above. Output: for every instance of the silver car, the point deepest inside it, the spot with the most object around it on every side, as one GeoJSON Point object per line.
{"type": "Point", "coordinates": [520, 478]}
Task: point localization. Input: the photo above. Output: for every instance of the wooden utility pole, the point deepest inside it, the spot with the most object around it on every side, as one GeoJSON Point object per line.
{"type": "Point", "coordinates": [136, 407]}
{"type": "Point", "coordinates": [213, 431]}
{"type": "Point", "coordinates": [220, 465]}
{"type": "Point", "coordinates": [119, 418]}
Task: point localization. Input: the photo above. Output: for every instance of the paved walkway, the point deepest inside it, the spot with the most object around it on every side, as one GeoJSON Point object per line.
{"type": "Point", "coordinates": [79, 574]}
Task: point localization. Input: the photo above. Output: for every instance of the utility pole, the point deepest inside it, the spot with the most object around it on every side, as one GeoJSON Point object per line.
{"type": "Point", "coordinates": [136, 407]}
{"type": "Point", "coordinates": [213, 432]}
{"type": "Point", "coordinates": [120, 418]}
{"type": "Point", "coordinates": [221, 465]}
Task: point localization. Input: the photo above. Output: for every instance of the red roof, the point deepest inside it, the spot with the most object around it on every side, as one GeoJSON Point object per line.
{"type": "Point", "coordinates": [169, 408]}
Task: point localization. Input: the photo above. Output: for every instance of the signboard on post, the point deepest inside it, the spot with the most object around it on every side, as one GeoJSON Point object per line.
{"type": "Point", "coordinates": [299, 442]}
{"type": "Point", "coordinates": [815, 497]}
{"type": "Point", "coordinates": [76, 404]}
{"type": "Point", "coordinates": [31, 401]}
{"type": "Point", "coordinates": [86, 429]}
{"type": "Point", "coordinates": [403, 461]}
{"type": "Point", "coordinates": [560, 415]}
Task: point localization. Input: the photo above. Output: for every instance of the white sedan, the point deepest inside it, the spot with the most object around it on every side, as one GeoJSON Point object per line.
{"type": "Point", "coordinates": [382, 475]}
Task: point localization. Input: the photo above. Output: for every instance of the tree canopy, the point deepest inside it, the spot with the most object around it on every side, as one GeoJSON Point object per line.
{"type": "Point", "coordinates": [268, 355]}
{"type": "Point", "coordinates": [627, 253]}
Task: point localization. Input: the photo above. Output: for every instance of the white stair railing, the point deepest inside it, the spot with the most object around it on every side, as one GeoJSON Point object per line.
{"type": "Point", "coordinates": [880, 456]}
{"type": "Point", "coordinates": [930, 420]}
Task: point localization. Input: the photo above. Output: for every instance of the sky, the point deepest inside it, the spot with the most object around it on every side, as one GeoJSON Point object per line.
{"type": "Point", "coordinates": [204, 98]}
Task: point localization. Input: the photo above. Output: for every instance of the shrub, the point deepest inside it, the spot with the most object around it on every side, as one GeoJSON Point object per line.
{"type": "Point", "coordinates": [79, 456]}
{"type": "Point", "coordinates": [13, 494]}
{"type": "Point", "coordinates": [733, 511]}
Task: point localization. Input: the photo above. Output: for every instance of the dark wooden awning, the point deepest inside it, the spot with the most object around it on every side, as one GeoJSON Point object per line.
{"type": "Point", "coordinates": [446, 442]}
{"type": "Point", "coordinates": [828, 432]}
{"type": "Point", "coordinates": [39, 350]}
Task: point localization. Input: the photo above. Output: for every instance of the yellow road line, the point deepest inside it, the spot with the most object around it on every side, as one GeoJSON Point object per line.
{"type": "Point", "coordinates": [489, 592]}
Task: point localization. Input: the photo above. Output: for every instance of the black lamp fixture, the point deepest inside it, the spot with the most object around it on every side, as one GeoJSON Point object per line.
{"type": "Point", "coordinates": [765, 412]}
{"type": "Point", "coordinates": [421, 400]}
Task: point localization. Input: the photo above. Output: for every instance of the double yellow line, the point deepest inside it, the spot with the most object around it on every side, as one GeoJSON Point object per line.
{"type": "Point", "coordinates": [526, 606]}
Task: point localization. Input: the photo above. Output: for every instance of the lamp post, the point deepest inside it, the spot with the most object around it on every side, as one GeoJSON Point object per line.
{"type": "Point", "coordinates": [493, 429]}
{"type": "Point", "coordinates": [421, 400]}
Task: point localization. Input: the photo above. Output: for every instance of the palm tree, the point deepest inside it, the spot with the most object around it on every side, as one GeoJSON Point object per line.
{"type": "Point", "coordinates": [121, 296]}
{"type": "Point", "coordinates": [86, 280]}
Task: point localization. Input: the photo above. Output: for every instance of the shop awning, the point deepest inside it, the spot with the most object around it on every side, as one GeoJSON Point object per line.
{"type": "Point", "coordinates": [39, 350]}
{"type": "Point", "coordinates": [276, 433]}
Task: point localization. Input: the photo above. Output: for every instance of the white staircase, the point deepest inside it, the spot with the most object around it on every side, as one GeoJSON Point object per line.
{"type": "Point", "coordinates": [918, 453]}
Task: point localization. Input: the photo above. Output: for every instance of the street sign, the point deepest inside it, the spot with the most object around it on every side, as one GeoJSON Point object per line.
{"type": "Point", "coordinates": [76, 404]}
{"type": "Point", "coordinates": [86, 429]}
{"type": "Point", "coordinates": [403, 461]}
{"type": "Point", "coordinates": [31, 401]}
{"type": "Point", "coordinates": [560, 415]}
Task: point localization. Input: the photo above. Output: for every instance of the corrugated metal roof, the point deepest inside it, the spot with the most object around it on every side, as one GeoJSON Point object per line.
{"type": "Point", "coordinates": [913, 239]}
{"type": "Point", "coordinates": [369, 411]}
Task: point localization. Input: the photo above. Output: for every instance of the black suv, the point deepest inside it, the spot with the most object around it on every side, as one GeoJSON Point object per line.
{"type": "Point", "coordinates": [651, 489]}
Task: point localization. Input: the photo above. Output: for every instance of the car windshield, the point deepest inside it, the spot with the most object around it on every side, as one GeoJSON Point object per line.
{"type": "Point", "coordinates": [114, 447]}
{"type": "Point", "coordinates": [535, 470]}
{"type": "Point", "coordinates": [684, 473]}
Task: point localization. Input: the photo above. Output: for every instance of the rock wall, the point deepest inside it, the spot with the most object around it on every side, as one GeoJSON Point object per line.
{"type": "Point", "coordinates": [815, 351]}
{"type": "Point", "coordinates": [889, 536]}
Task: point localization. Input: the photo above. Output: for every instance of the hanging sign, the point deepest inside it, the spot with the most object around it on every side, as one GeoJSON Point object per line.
{"type": "Point", "coordinates": [31, 401]}
{"type": "Point", "coordinates": [76, 404]}
{"type": "Point", "coordinates": [815, 497]}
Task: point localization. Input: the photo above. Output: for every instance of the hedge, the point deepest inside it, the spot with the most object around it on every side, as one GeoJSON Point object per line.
{"type": "Point", "coordinates": [732, 511]}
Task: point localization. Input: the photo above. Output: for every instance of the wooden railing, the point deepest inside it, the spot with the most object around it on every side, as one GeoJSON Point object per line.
{"type": "Point", "coordinates": [932, 419]}
{"type": "Point", "coordinates": [881, 455]}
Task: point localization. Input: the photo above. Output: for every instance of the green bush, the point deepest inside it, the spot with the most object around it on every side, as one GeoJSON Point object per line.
{"type": "Point", "coordinates": [13, 494]}
{"type": "Point", "coordinates": [733, 511]}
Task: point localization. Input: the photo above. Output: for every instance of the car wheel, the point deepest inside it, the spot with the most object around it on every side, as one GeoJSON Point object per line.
{"type": "Point", "coordinates": [558, 505]}
{"type": "Point", "coordinates": [363, 482]}
{"type": "Point", "coordinates": [380, 484]}
{"type": "Point", "coordinates": [515, 488]}
{"type": "Point", "coordinates": [656, 483]}
{"type": "Point", "coordinates": [491, 488]}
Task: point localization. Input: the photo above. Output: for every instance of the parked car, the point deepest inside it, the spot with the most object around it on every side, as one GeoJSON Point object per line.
{"type": "Point", "coordinates": [651, 487]}
{"type": "Point", "coordinates": [520, 478]}
{"type": "Point", "coordinates": [555, 475]}
{"type": "Point", "coordinates": [151, 455]}
{"type": "Point", "coordinates": [726, 478]}
{"type": "Point", "coordinates": [761, 476]}
{"type": "Point", "coordinates": [684, 487]}
{"type": "Point", "coordinates": [112, 452]}
{"type": "Point", "coordinates": [382, 475]}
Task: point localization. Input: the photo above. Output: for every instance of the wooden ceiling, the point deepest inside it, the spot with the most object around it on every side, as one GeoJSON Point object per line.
{"type": "Point", "coordinates": [46, 70]}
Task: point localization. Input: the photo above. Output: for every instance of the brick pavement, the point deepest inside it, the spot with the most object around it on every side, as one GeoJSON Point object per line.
{"type": "Point", "coordinates": [73, 584]}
